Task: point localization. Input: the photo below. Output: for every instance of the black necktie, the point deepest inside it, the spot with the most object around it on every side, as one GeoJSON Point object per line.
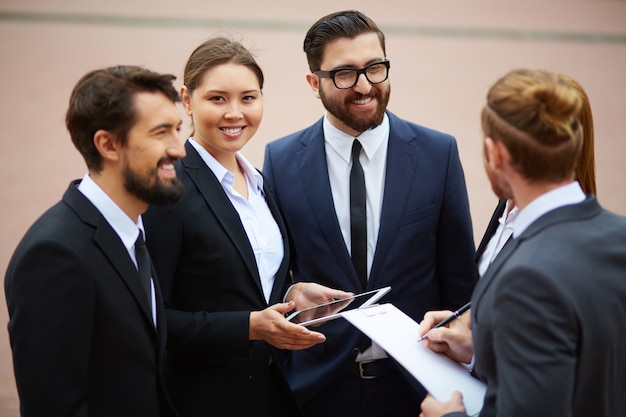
{"type": "Point", "coordinates": [144, 265]}
{"type": "Point", "coordinates": [358, 219]}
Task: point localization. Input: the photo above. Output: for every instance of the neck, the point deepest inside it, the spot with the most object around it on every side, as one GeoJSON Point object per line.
{"type": "Point", "coordinates": [512, 204]}
{"type": "Point", "coordinates": [525, 192]}
{"type": "Point", "coordinates": [227, 159]}
{"type": "Point", "coordinates": [114, 187]}
{"type": "Point", "coordinates": [337, 123]}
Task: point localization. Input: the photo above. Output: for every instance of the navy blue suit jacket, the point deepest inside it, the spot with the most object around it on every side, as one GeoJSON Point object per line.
{"type": "Point", "coordinates": [425, 248]}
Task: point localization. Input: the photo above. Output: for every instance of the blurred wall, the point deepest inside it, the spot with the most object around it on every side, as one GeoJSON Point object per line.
{"type": "Point", "coordinates": [444, 56]}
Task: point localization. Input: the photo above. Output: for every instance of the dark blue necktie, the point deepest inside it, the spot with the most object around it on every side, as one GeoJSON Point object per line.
{"type": "Point", "coordinates": [358, 219]}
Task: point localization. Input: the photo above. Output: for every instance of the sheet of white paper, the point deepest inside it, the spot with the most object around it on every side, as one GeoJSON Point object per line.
{"type": "Point", "coordinates": [397, 334]}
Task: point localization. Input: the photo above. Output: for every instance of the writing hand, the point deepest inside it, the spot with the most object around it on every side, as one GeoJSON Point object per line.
{"type": "Point", "coordinates": [454, 340]}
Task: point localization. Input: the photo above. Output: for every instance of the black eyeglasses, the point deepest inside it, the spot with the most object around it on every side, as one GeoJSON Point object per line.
{"type": "Point", "coordinates": [345, 78]}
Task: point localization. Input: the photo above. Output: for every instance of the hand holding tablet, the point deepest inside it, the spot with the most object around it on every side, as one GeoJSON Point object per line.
{"type": "Point", "coordinates": [331, 310]}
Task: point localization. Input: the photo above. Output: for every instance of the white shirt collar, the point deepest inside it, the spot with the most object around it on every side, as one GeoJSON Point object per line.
{"type": "Point", "coordinates": [563, 196]}
{"type": "Point", "coordinates": [341, 142]}
{"type": "Point", "coordinates": [224, 175]}
{"type": "Point", "coordinates": [509, 215]}
{"type": "Point", "coordinates": [123, 225]}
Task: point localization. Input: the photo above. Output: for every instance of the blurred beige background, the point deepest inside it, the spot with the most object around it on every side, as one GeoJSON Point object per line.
{"type": "Point", "coordinates": [444, 55]}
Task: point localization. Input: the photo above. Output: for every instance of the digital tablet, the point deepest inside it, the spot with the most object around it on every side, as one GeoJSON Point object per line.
{"type": "Point", "coordinates": [331, 310]}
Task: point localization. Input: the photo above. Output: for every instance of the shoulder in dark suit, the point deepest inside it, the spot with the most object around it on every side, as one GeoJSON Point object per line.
{"type": "Point", "coordinates": [210, 285]}
{"type": "Point", "coordinates": [549, 318]}
{"type": "Point", "coordinates": [425, 248]}
{"type": "Point", "coordinates": [81, 331]}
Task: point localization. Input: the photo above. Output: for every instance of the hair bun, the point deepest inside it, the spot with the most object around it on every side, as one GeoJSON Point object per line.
{"type": "Point", "coordinates": [558, 105]}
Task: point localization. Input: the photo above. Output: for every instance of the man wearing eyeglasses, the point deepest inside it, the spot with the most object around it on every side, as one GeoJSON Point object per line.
{"type": "Point", "coordinates": [370, 200]}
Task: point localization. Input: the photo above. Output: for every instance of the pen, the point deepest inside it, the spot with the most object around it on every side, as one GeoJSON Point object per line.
{"type": "Point", "coordinates": [448, 319]}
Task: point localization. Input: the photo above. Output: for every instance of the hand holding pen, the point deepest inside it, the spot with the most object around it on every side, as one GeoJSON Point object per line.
{"type": "Point", "coordinates": [448, 319]}
{"type": "Point", "coordinates": [455, 341]}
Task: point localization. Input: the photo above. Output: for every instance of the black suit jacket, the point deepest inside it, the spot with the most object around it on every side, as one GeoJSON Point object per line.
{"type": "Point", "coordinates": [549, 318]}
{"type": "Point", "coordinates": [80, 326]}
{"type": "Point", "coordinates": [210, 284]}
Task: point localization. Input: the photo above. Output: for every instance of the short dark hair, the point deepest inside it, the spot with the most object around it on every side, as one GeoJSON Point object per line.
{"type": "Point", "coordinates": [344, 24]}
{"type": "Point", "coordinates": [103, 99]}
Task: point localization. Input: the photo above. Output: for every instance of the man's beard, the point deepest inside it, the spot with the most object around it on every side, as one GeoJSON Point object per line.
{"type": "Point", "coordinates": [499, 186]}
{"type": "Point", "coordinates": [360, 123]}
{"type": "Point", "coordinates": [151, 189]}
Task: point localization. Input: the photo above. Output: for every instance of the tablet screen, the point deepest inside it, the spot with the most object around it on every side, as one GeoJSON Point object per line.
{"type": "Point", "coordinates": [330, 310]}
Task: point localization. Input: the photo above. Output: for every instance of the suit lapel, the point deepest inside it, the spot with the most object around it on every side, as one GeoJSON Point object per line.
{"type": "Point", "coordinates": [217, 201]}
{"type": "Point", "coordinates": [283, 270]}
{"type": "Point", "coordinates": [491, 228]}
{"type": "Point", "coordinates": [586, 209]}
{"type": "Point", "coordinates": [492, 270]}
{"type": "Point", "coordinates": [161, 322]}
{"type": "Point", "coordinates": [313, 170]}
{"type": "Point", "coordinates": [110, 244]}
{"type": "Point", "coordinates": [402, 155]}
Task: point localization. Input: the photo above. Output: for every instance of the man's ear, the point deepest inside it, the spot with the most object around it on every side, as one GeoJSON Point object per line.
{"type": "Point", "coordinates": [498, 155]}
{"type": "Point", "coordinates": [314, 82]}
{"type": "Point", "coordinates": [107, 144]}
{"type": "Point", "coordinates": [493, 153]}
{"type": "Point", "coordinates": [186, 100]}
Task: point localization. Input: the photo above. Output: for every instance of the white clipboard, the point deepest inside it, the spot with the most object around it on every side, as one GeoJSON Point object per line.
{"type": "Point", "coordinates": [397, 334]}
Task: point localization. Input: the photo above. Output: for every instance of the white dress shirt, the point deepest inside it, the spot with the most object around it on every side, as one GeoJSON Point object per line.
{"type": "Point", "coordinates": [256, 217]}
{"type": "Point", "coordinates": [123, 225]}
{"type": "Point", "coordinates": [563, 196]}
{"type": "Point", "coordinates": [499, 238]}
{"type": "Point", "coordinates": [373, 158]}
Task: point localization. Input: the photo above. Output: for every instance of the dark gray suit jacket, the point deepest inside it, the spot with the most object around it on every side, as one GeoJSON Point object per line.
{"type": "Point", "coordinates": [549, 318]}
{"type": "Point", "coordinates": [81, 329]}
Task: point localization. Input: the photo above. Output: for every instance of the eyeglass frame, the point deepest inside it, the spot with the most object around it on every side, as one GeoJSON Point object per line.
{"type": "Point", "coordinates": [331, 73]}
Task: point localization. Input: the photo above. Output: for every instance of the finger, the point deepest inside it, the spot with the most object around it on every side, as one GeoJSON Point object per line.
{"type": "Point", "coordinates": [293, 331]}
{"type": "Point", "coordinates": [302, 342]}
{"type": "Point", "coordinates": [338, 294]}
{"type": "Point", "coordinates": [283, 342]}
{"type": "Point", "coordinates": [438, 335]}
{"type": "Point", "coordinates": [427, 323]}
{"type": "Point", "coordinates": [437, 347]}
{"type": "Point", "coordinates": [431, 319]}
{"type": "Point", "coordinates": [437, 316]}
{"type": "Point", "coordinates": [428, 399]}
{"type": "Point", "coordinates": [456, 396]}
{"type": "Point", "coordinates": [283, 308]}
{"type": "Point", "coordinates": [428, 320]}
{"type": "Point", "coordinates": [297, 347]}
